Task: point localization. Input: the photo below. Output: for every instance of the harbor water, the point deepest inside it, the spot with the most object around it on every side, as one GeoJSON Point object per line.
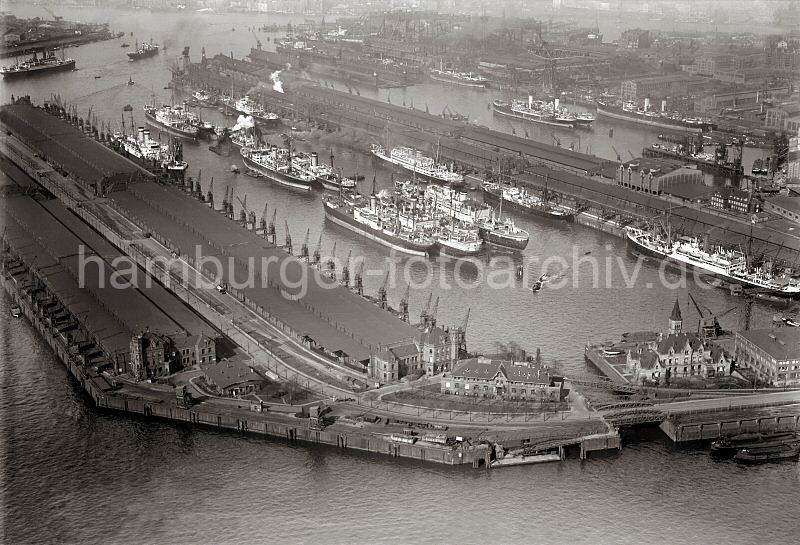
{"type": "Point", "coordinates": [73, 474]}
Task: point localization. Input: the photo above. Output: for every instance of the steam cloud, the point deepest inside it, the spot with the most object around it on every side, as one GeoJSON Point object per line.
{"type": "Point", "coordinates": [244, 122]}
{"type": "Point", "coordinates": [277, 84]}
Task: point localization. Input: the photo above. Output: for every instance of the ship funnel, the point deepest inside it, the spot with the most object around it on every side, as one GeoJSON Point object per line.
{"type": "Point", "coordinates": [146, 136]}
{"type": "Point", "coordinates": [314, 159]}
{"type": "Point", "coordinates": [141, 134]}
{"type": "Point", "coordinates": [647, 104]}
{"type": "Point", "coordinates": [530, 101]}
{"type": "Point", "coordinates": [556, 104]}
{"type": "Point", "coordinates": [664, 105]}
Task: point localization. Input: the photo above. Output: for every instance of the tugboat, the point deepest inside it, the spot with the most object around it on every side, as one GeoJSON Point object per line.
{"type": "Point", "coordinates": [323, 173]}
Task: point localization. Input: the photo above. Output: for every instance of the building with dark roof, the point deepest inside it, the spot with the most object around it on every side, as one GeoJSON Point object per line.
{"type": "Point", "coordinates": [233, 378]}
{"type": "Point", "coordinates": [505, 379]}
{"type": "Point", "coordinates": [431, 352]}
{"type": "Point", "coordinates": [733, 198]}
{"type": "Point", "coordinates": [774, 354]}
{"type": "Point", "coordinates": [658, 176]}
{"type": "Point", "coordinates": [783, 205]}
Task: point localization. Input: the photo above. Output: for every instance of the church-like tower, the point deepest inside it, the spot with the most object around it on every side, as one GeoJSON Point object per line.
{"type": "Point", "coordinates": [675, 319]}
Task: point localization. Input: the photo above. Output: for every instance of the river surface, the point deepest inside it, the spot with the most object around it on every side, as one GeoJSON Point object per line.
{"type": "Point", "coordinates": [73, 474]}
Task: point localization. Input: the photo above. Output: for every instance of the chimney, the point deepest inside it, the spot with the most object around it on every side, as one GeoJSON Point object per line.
{"type": "Point", "coordinates": [530, 101]}
{"type": "Point", "coordinates": [314, 159]}
{"type": "Point", "coordinates": [141, 134]}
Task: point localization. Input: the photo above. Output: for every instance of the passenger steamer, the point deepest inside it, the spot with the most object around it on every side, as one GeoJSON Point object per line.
{"type": "Point", "coordinates": [418, 163]}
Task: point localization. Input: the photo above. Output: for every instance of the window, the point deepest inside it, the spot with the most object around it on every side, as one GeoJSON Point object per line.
{"type": "Point", "coordinates": [458, 385]}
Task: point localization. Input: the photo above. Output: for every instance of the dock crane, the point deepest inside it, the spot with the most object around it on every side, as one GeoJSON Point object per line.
{"type": "Point", "coordinates": [331, 264]}
{"type": "Point", "coordinates": [404, 305]}
{"type": "Point", "coordinates": [53, 15]}
{"type": "Point", "coordinates": [358, 281]}
{"type": "Point", "coordinates": [264, 219]}
{"type": "Point", "coordinates": [288, 236]}
{"type": "Point", "coordinates": [461, 337]}
{"type": "Point", "coordinates": [424, 315]}
{"type": "Point", "coordinates": [210, 194]}
{"type": "Point", "coordinates": [749, 299]}
{"type": "Point", "coordinates": [272, 234]}
{"type": "Point", "coordinates": [346, 270]}
{"type": "Point", "coordinates": [304, 247]}
{"type": "Point", "coordinates": [229, 213]}
{"type": "Point", "coordinates": [708, 324]}
{"type": "Point", "coordinates": [225, 200]}
{"type": "Point", "coordinates": [617, 153]}
{"type": "Point", "coordinates": [243, 212]}
{"type": "Point", "coordinates": [315, 260]}
{"type": "Point", "coordinates": [556, 139]}
{"type": "Point", "coordinates": [258, 42]}
{"type": "Point", "coordinates": [382, 298]}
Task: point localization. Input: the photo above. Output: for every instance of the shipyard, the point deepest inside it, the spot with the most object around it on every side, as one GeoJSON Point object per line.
{"type": "Point", "coordinates": [553, 245]}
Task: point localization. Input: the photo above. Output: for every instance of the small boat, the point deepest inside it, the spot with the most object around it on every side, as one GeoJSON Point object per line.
{"type": "Point", "coordinates": [125, 45]}
{"type": "Point", "coordinates": [791, 322]}
{"type": "Point", "coordinates": [98, 77]}
{"type": "Point", "coordinates": [536, 286]}
{"type": "Point", "coordinates": [16, 311]}
{"type": "Point", "coordinates": [130, 80]}
{"type": "Point", "coordinates": [612, 352]}
{"type": "Point", "coordinates": [544, 278]}
{"type": "Point", "coordinates": [728, 446]}
{"type": "Point", "coordinates": [786, 451]}
{"type": "Point", "coordinates": [235, 169]}
{"type": "Point", "coordinates": [587, 252]}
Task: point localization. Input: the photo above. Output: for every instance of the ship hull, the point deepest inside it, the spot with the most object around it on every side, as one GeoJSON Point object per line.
{"type": "Point", "coordinates": [418, 172]}
{"type": "Point", "coordinates": [188, 135]}
{"type": "Point", "coordinates": [503, 241]}
{"type": "Point", "coordinates": [453, 251]}
{"type": "Point", "coordinates": [494, 200]}
{"type": "Point", "coordinates": [722, 275]}
{"type": "Point", "coordinates": [140, 56]}
{"type": "Point", "coordinates": [385, 239]}
{"type": "Point", "coordinates": [508, 112]}
{"type": "Point", "coordinates": [281, 178]}
{"type": "Point", "coordinates": [461, 83]}
{"type": "Point", "coordinates": [647, 121]}
{"type": "Point", "coordinates": [14, 74]}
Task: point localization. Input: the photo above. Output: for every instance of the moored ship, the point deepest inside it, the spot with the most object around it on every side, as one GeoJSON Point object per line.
{"type": "Point", "coordinates": [143, 51]}
{"type": "Point", "coordinates": [459, 206]}
{"type": "Point", "coordinates": [275, 164]}
{"type": "Point", "coordinates": [519, 200]}
{"type": "Point", "coordinates": [539, 111]}
{"type": "Point", "coordinates": [418, 163]}
{"type": "Point", "coordinates": [729, 265]}
{"type": "Point", "coordinates": [465, 79]}
{"type": "Point", "coordinates": [377, 220]}
{"type": "Point", "coordinates": [249, 107]}
{"type": "Point", "coordinates": [457, 239]}
{"type": "Point", "coordinates": [46, 63]}
{"type": "Point", "coordinates": [728, 446]}
{"type": "Point", "coordinates": [173, 120]}
{"type": "Point", "coordinates": [630, 111]}
{"type": "Point", "coordinates": [324, 174]}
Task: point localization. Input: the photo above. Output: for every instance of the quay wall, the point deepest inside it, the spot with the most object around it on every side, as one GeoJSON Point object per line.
{"type": "Point", "coordinates": [257, 423]}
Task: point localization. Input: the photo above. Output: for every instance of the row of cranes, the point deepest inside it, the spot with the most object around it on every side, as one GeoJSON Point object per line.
{"type": "Point", "coordinates": [328, 265]}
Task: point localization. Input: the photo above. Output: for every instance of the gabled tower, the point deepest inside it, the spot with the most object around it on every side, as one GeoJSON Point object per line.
{"type": "Point", "coordinates": [675, 319]}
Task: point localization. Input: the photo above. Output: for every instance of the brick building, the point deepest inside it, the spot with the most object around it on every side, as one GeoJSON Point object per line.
{"type": "Point", "coordinates": [774, 354]}
{"type": "Point", "coordinates": [432, 352]}
{"type": "Point", "coordinates": [732, 198]}
{"type": "Point", "coordinates": [150, 356]}
{"type": "Point", "coordinates": [660, 86]}
{"type": "Point", "coordinates": [504, 379]}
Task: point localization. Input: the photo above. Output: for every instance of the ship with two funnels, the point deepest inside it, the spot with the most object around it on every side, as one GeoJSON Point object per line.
{"type": "Point", "coordinates": [276, 164]}
{"type": "Point", "coordinates": [378, 219]}
{"type": "Point", "coordinates": [542, 112]}
{"type": "Point", "coordinates": [143, 51]}
{"type": "Point", "coordinates": [422, 165]}
{"type": "Point", "coordinates": [630, 111]}
{"type": "Point", "coordinates": [44, 64]}
{"type": "Point", "coordinates": [729, 265]}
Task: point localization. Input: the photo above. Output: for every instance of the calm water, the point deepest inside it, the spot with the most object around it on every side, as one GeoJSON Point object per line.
{"type": "Point", "coordinates": [75, 475]}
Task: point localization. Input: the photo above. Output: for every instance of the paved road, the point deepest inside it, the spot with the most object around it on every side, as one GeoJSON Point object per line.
{"type": "Point", "coordinates": [750, 401]}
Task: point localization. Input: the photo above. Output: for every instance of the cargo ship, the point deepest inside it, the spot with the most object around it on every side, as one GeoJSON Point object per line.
{"type": "Point", "coordinates": [143, 51]}
{"type": "Point", "coordinates": [728, 265]}
{"type": "Point", "coordinates": [377, 219]}
{"type": "Point", "coordinates": [458, 239]}
{"type": "Point", "coordinates": [46, 63]}
{"type": "Point", "coordinates": [539, 111]}
{"type": "Point", "coordinates": [324, 174]}
{"type": "Point", "coordinates": [249, 107]}
{"type": "Point", "coordinates": [459, 206]}
{"type": "Point", "coordinates": [418, 163]}
{"type": "Point", "coordinates": [519, 200]}
{"type": "Point", "coordinates": [630, 111]}
{"type": "Point", "coordinates": [465, 79]}
{"type": "Point", "coordinates": [728, 446]}
{"type": "Point", "coordinates": [276, 165]}
{"type": "Point", "coordinates": [172, 120]}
